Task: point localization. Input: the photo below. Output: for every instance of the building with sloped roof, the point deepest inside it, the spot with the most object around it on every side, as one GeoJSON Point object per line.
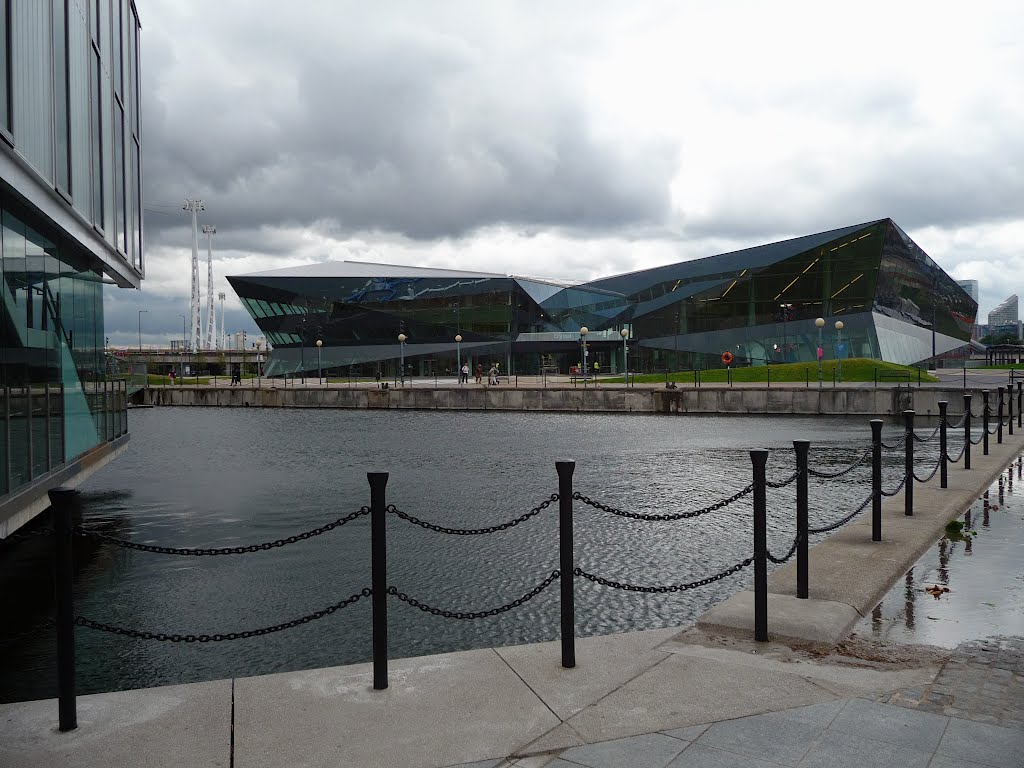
{"type": "Point", "coordinates": [759, 304]}
{"type": "Point", "coordinates": [1005, 313]}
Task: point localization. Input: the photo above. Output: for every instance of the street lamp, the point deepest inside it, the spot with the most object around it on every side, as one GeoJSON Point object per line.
{"type": "Point", "coordinates": [839, 347]}
{"type": "Point", "coordinates": [401, 347]}
{"type": "Point", "coordinates": [624, 333]}
{"type": "Point", "coordinates": [259, 367]}
{"type": "Point", "coordinates": [140, 328]}
{"type": "Point", "coordinates": [820, 322]}
{"type": "Point", "coordinates": [319, 373]}
{"type": "Point", "coordinates": [184, 340]}
{"type": "Point", "coordinates": [583, 351]}
{"type": "Point", "coordinates": [458, 356]}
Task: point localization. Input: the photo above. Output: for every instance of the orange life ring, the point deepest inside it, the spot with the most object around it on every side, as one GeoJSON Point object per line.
{"type": "Point", "coordinates": [727, 357]}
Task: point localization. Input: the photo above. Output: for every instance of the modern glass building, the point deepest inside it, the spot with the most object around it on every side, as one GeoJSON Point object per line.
{"type": "Point", "coordinates": [759, 304]}
{"type": "Point", "coordinates": [71, 215]}
{"type": "Point", "coordinates": [1005, 313]}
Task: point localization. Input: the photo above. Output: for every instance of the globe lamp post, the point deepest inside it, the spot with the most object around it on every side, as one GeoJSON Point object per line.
{"type": "Point", "coordinates": [820, 322]}
{"type": "Point", "coordinates": [839, 347]}
{"type": "Point", "coordinates": [401, 346]}
{"type": "Point", "coordinates": [583, 351]}
{"type": "Point", "coordinates": [319, 370]}
{"type": "Point", "coordinates": [458, 357]}
{"type": "Point", "coordinates": [624, 333]}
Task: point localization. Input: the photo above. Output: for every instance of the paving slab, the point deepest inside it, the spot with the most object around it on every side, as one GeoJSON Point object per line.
{"type": "Point", "coordinates": [682, 691]}
{"type": "Point", "coordinates": [701, 756]}
{"type": "Point", "coordinates": [816, 621]}
{"type": "Point", "coordinates": [842, 750]}
{"type": "Point", "coordinates": [987, 744]}
{"type": "Point", "coordinates": [438, 711]}
{"type": "Point", "coordinates": [602, 664]}
{"type": "Point", "coordinates": [893, 725]}
{"type": "Point", "coordinates": [652, 750]}
{"type": "Point", "coordinates": [164, 727]}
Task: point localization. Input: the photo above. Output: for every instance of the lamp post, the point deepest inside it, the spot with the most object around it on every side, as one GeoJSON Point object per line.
{"type": "Point", "coordinates": [401, 348]}
{"type": "Point", "coordinates": [624, 333]}
{"type": "Point", "coordinates": [583, 351]}
{"type": "Point", "coordinates": [839, 347]}
{"type": "Point", "coordinates": [319, 370]}
{"type": "Point", "coordinates": [259, 367]}
{"type": "Point", "coordinates": [820, 322]}
{"type": "Point", "coordinates": [184, 341]}
{"type": "Point", "coordinates": [458, 357]}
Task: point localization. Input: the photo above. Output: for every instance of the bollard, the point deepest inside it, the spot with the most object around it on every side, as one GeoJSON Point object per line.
{"type": "Point", "coordinates": [1009, 408]}
{"type": "Point", "coordinates": [379, 577]}
{"type": "Point", "coordinates": [801, 447]}
{"type": "Point", "coordinates": [943, 480]}
{"type": "Point", "coordinates": [769, 370]}
{"type": "Point", "coordinates": [984, 423]}
{"type": "Point", "coordinates": [876, 479]}
{"type": "Point", "coordinates": [908, 468]}
{"type": "Point", "coordinates": [759, 458]}
{"type": "Point", "coordinates": [66, 504]}
{"type": "Point", "coordinates": [566, 566]}
{"type": "Point", "coordinates": [999, 417]}
{"type": "Point", "coordinates": [967, 431]}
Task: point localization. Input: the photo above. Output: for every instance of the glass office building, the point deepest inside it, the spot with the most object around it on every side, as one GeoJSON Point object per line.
{"type": "Point", "coordinates": [70, 223]}
{"type": "Point", "coordinates": [760, 304]}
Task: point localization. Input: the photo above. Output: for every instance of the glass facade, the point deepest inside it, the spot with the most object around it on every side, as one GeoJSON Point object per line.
{"type": "Point", "coordinates": [70, 221]}
{"type": "Point", "coordinates": [760, 304]}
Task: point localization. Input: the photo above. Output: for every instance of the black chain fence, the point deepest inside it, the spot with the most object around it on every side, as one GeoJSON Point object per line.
{"type": "Point", "coordinates": [930, 474]}
{"type": "Point", "coordinates": [782, 483]}
{"type": "Point", "coordinates": [897, 489]}
{"type": "Point", "coordinates": [785, 558]}
{"type": "Point", "coordinates": [667, 588]}
{"type": "Point", "coordinates": [577, 496]}
{"type": "Point", "coordinates": [203, 551]}
{"type": "Point", "coordinates": [848, 518]}
{"type": "Point", "coordinates": [474, 531]}
{"type": "Point", "coordinates": [847, 470]}
{"type": "Point", "coordinates": [216, 638]}
{"type": "Point", "coordinates": [476, 614]}
{"type": "Point", "coordinates": [930, 437]}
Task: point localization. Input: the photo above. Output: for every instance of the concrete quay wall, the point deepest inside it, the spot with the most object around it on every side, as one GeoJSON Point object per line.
{"type": "Point", "coordinates": [852, 401]}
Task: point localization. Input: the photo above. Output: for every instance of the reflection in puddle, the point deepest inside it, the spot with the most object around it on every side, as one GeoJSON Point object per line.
{"type": "Point", "coordinates": [970, 584]}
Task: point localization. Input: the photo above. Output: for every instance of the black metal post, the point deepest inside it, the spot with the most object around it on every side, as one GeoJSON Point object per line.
{"type": "Point", "coordinates": [967, 431]}
{"type": "Point", "coordinates": [908, 468]}
{"type": "Point", "coordinates": [65, 505]}
{"type": "Point", "coordinates": [1020, 404]}
{"type": "Point", "coordinates": [984, 423]}
{"type": "Point", "coordinates": [566, 566]}
{"type": "Point", "coordinates": [769, 369]}
{"type": "Point", "coordinates": [801, 447]}
{"type": "Point", "coordinates": [1009, 407]}
{"type": "Point", "coordinates": [999, 417]}
{"type": "Point", "coordinates": [943, 479]}
{"type": "Point", "coordinates": [379, 576]}
{"type": "Point", "coordinates": [759, 458]}
{"type": "Point", "coordinates": [876, 479]}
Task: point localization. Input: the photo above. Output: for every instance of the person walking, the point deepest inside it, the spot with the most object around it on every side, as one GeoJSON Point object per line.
{"type": "Point", "coordinates": [464, 374]}
{"type": "Point", "coordinates": [492, 376]}
{"type": "Point", "coordinates": [479, 372]}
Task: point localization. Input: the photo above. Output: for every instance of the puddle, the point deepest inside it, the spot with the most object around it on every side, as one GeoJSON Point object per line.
{"type": "Point", "coordinates": [970, 584]}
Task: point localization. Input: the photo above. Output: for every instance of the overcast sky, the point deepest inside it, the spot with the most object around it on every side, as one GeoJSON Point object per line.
{"type": "Point", "coordinates": [570, 139]}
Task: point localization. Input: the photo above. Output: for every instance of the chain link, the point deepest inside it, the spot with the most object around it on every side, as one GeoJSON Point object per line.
{"type": "Point", "coordinates": [958, 424]}
{"type": "Point", "coordinates": [981, 437]}
{"type": "Point", "coordinates": [241, 550]}
{"type": "Point", "coordinates": [670, 587]}
{"type": "Point", "coordinates": [163, 637]}
{"type": "Point", "coordinates": [840, 473]}
{"type": "Point", "coordinates": [783, 483]}
{"type": "Point", "coordinates": [898, 444]}
{"type": "Point", "coordinates": [675, 516]}
{"type": "Point", "coordinates": [787, 556]}
{"type": "Point", "coordinates": [476, 614]}
{"type": "Point", "coordinates": [897, 489]}
{"type": "Point", "coordinates": [848, 518]}
{"type": "Point", "coordinates": [931, 474]}
{"type": "Point", "coordinates": [929, 438]}
{"type": "Point", "coordinates": [474, 531]}
{"type": "Point", "coordinates": [959, 456]}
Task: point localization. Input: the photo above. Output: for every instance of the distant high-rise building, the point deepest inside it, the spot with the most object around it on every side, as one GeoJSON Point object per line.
{"type": "Point", "coordinates": [971, 286]}
{"type": "Point", "coordinates": [1005, 313]}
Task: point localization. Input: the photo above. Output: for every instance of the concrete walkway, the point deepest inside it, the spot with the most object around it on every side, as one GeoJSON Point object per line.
{"type": "Point", "coordinates": [702, 697]}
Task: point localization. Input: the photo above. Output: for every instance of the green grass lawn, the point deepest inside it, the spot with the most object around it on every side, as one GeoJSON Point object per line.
{"type": "Point", "coordinates": [856, 369]}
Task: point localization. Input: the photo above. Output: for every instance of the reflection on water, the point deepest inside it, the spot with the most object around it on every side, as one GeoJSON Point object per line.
{"type": "Point", "coordinates": [969, 585]}
{"type": "Point", "coordinates": [223, 477]}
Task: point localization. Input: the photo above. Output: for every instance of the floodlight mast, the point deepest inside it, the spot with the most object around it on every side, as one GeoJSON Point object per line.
{"type": "Point", "coordinates": [211, 322]}
{"type": "Point", "coordinates": [196, 333]}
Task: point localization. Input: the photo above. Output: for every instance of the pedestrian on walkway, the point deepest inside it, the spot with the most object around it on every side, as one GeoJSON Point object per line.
{"type": "Point", "coordinates": [464, 374]}
{"type": "Point", "coordinates": [479, 372]}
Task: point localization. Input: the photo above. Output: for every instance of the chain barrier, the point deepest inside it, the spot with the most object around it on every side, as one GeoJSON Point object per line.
{"type": "Point", "coordinates": [474, 531]}
{"type": "Point", "coordinates": [898, 444]}
{"type": "Point", "coordinates": [849, 517]}
{"type": "Point", "coordinates": [476, 614]}
{"type": "Point", "coordinates": [240, 550]}
{"type": "Point", "coordinates": [897, 489]}
{"type": "Point", "coordinates": [782, 483]}
{"type": "Point", "coordinates": [979, 440]}
{"type": "Point", "coordinates": [163, 637]}
{"type": "Point", "coordinates": [958, 424]}
{"type": "Point", "coordinates": [929, 438]}
{"type": "Point", "coordinates": [930, 474]}
{"type": "Point", "coordinates": [788, 555]}
{"type": "Point", "coordinates": [959, 456]}
{"type": "Point", "coordinates": [667, 588]}
{"type": "Point", "coordinates": [577, 496]}
{"type": "Point", "coordinates": [840, 473]}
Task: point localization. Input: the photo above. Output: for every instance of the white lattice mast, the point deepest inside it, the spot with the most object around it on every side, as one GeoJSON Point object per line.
{"type": "Point", "coordinates": [196, 332]}
{"type": "Point", "coordinates": [211, 323]}
{"type": "Point", "coordinates": [223, 340]}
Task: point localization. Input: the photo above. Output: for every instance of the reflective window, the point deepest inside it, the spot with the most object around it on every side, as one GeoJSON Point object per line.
{"type": "Point", "coordinates": [5, 65]}
{"type": "Point", "coordinates": [96, 111]}
{"type": "Point", "coordinates": [61, 121]}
